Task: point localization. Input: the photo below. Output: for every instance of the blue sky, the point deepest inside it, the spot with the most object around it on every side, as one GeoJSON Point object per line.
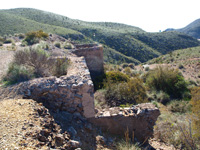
{"type": "Point", "coordinates": [150, 15]}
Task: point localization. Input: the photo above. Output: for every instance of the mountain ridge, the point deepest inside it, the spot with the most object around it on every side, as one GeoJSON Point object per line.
{"type": "Point", "coordinates": [130, 41]}
{"type": "Point", "coordinates": [192, 29]}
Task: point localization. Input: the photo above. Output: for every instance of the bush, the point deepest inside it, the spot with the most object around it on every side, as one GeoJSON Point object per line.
{"type": "Point", "coordinates": [111, 77]}
{"type": "Point", "coordinates": [146, 68]}
{"type": "Point", "coordinates": [59, 67]}
{"type": "Point", "coordinates": [128, 71]}
{"type": "Point", "coordinates": [124, 65]}
{"type": "Point", "coordinates": [167, 80]}
{"type": "Point", "coordinates": [180, 66]}
{"type": "Point", "coordinates": [116, 76]}
{"type": "Point", "coordinates": [7, 41]}
{"type": "Point", "coordinates": [162, 97]}
{"type": "Point", "coordinates": [57, 45]}
{"type": "Point", "coordinates": [34, 37]}
{"type": "Point", "coordinates": [2, 39]}
{"type": "Point", "coordinates": [31, 63]}
{"type": "Point", "coordinates": [34, 58]}
{"type": "Point", "coordinates": [17, 73]}
{"type": "Point", "coordinates": [131, 65]}
{"type": "Point", "coordinates": [179, 106]}
{"type": "Point", "coordinates": [195, 101]}
{"type": "Point", "coordinates": [68, 46]}
{"type": "Point", "coordinates": [131, 92]}
{"type": "Point", "coordinates": [175, 130]}
{"type": "Point", "coordinates": [1, 44]}
{"type": "Point", "coordinates": [99, 82]}
{"type": "Point", "coordinates": [21, 36]}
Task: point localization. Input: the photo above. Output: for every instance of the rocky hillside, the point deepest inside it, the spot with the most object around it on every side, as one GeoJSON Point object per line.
{"type": "Point", "coordinates": [122, 43]}
{"type": "Point", "coordinates": [193, 29]}
{"type": "Point", "coordinates": [186, 60]}
{"type": "Point", "coordinates": [26, 124]}
{"type": "Point", "coordinates": [31, 128]}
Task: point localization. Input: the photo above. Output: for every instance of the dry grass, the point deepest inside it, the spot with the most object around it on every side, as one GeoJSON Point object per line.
{"type": "Point", "coordinates": [174, 129]}
{"type": "Point", "coordinates": [5, 58]}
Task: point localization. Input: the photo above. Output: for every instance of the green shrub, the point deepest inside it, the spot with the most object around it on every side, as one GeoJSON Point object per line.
{"type": "Point", "coordinates": [68, 46]}
{"type": "Point", "coordinates": [146, 68]}
{"type": "Point", "coordinates": [18, 73]}
{"type": "Point", "coordinates": [59, 67]}
{"type": "Point", "coordinates": [180, 66]}
{"type": "Point", "coordinates": [167, 80]}
{"type": "Point", "coordinates": [124, 65]}
{"type": "Point", "coordinates": [24, 43]}
{"type": "Point", "coordinates": [7, 41]}
{"type": "Point", "coordinates": [2, 39]}
{"type": "Point", "coordinates": [99, 82]}
{"type": "Point", "coordinates": [155, 103]}
{"type": "Point", "coordinates": [195, 102]}
{"type": "Point", "coordinates": [34, 58]}
{"type": "Point", "coordinates": [34, 37]}
{"type": "Point", "coordinates": [131, 92]}
{"type": "Point", "coordinates": [111, 77]}
{"type": "Point", "coordinates": [116, 76]}
{"type": "Point", "coordinates": [179, 106]}
{"type": "Point", "coordinates": [21, 36]}
{"type": "Point", "coordinates": [128, 71]}
{"type": "Point", "coordinates": [34, 62]}
{"type": "Point", "coordinates": [131, 65]}
{"type": "Point", "coordinates": [175, 130]}
{"type": "Point", "coordinates": [162, 97]}
{"type": "Point", "coordinates": [57, 45]}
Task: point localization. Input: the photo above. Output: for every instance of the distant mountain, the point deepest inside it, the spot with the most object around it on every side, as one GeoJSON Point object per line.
{"type": "Point", "coordinates": [193, 29]}
{"type": "Point", "coordinates": [123, 43]}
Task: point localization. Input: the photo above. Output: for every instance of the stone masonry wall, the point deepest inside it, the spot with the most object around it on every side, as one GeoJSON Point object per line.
{"type": "Point", "coordinates": [72, 93]}
{"type": "Point", "coordinates": [93, 54]}
{"type": "Point", "coordinates": [138, 120]}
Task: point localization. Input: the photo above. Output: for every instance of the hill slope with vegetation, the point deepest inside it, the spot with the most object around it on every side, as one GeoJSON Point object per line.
{"type": "Point", "coordinates": [125, 41]}
{"type": "Point", "coordinates": [193, 29]}
{"type": "Point", "coordinates": [187, 60]}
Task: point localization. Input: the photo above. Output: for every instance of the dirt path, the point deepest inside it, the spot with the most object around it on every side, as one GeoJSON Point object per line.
{"type": "Point", "coordinates": [5, 58]}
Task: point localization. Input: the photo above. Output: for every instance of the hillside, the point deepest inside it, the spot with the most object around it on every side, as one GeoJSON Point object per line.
{"type": "Point", "coordinates": [193, 29]}
{"type": "Point", "coordinates": [187, 60]}
{"type": "Point", "coordinates": [62, 111]}
{"type": "Point", "coordinates": [125, 41]}
{"type": "Point", "coordinates": [11, 24]}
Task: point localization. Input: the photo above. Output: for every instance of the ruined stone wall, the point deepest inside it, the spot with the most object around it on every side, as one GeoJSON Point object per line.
{"type": "Point", "coordinates": [93, 54]}
{"type": "Point", "coordinates": [72, 93]}
{"type": "Point", "coordinates": [138, 120]}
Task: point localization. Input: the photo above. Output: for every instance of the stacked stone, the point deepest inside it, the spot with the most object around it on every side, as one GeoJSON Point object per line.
{"type": "Point", "coordinates": [138, 120]}
{"type": "Point", "coordinates": [72, 92]}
